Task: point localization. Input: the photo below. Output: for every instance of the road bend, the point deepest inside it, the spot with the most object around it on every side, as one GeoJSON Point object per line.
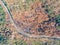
{"type": "Point", "coordinates": [19, 30]}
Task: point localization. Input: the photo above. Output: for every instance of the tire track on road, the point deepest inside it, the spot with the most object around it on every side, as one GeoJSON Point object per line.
{"type": "Point", "coordinates": [19, 30]}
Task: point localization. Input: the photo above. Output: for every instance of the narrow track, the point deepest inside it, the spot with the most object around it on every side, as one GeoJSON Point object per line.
{"type": "Point", "coordinates": [22, 32]}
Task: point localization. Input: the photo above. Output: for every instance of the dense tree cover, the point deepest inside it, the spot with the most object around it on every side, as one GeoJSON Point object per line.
{"type": "Point", "coordinates": [2, 17]}
{"type": "Point", "coordinates": [4, 36]}
{"type": "Point", "coordinates": [3, 39]}
{"type": "Point", "coordinates": [58, 19]}
{"type": "Point", "coordinates": [50, 7]}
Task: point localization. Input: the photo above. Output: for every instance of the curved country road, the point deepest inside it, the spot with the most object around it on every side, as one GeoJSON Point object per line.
{"type": "Point", "coordinates": [22, 32]}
